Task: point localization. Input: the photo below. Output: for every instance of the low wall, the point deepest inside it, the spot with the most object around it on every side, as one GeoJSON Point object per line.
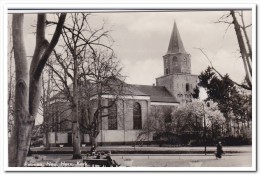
{"type": "Point", "coordinates": [109, 137]}
{"type": "Point", "coordinates": [57, 138]}
{"type": "Point", "coordinates": [116, 136]}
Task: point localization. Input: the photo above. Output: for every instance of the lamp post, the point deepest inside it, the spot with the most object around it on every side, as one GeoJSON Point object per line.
{"type": "Point", "coordinates": [204, 128]}
{"type": "Point", "coordinates": [204, 132]}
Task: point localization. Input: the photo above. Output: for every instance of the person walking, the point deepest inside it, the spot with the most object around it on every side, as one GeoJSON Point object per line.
{"type": "Point", "coordinates": [219, 150]}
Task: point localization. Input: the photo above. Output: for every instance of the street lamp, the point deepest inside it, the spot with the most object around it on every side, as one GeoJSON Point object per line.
{"type": "Point", "coordinates": [204, 128]}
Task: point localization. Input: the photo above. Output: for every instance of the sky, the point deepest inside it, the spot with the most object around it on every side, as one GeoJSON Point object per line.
{"type": "Point", "coordinates": [142, 38]}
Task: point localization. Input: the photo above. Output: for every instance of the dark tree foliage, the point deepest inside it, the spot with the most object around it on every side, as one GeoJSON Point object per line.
{"type": "Point", "coordinates": [224, 92]}
{"type": "Point", "coordinates": [242, 107]}
{"type": "Point", "coordinates": [196, 92]}
{"type": "Point", "coordinates": [218, 90]}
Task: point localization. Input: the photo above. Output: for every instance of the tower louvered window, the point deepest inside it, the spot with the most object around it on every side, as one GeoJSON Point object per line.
{"type": "Point", "coordinates": [167, 71]}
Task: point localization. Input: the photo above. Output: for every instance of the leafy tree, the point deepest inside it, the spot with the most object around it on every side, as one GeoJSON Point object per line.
{"type": "Point", "coordinates": [159, 120]}
{"type": "Point", "coordinates": [242, 110]}
{"type": "Point", "coordinates": [189, 119]}
{"type": "Point", "coordinates": [225, 93]}
{"type": "Point", "coordinates": [215, 120]}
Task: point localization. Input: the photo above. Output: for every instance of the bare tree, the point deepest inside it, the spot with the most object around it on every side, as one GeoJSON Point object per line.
{"type": "Point", "coordinates": [103, 78]}
{"type": "Point", "coordinates": [244, 46]}
{"type": "Point", "coordinates": [48, 89]}
{"type": "Point", "coordinates": [28, 83]}
{"type": "Point", "coordinates": [75, 59]}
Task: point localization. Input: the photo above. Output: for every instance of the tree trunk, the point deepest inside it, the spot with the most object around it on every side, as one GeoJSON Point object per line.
{"type": "Point", "coordinates": [242, 48]}
{"type": "Point", "coordinates": [75, 135]}
{"type": "Point", "coordinates": [47, 146]}
{"type": "Point", "coordinates": [76, 141]}
{"type": "Point", "coordinates": [93, 140]}
{"type": "Point", "coordinates": [21, 136]}
{"type": "Point", "coordinates": [246, 36]}
{"type": "Point", "coordinates": [27, 95]}
{"type": "Point", "coordinates": [238, 128]}
{"type": "Point", "coordinates": [75, 124]}
{"type": "Point", "coordinates": [46, 107]}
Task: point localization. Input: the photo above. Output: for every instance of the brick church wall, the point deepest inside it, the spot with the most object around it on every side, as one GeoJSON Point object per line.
{"type": "Point", "coordinates": [176, 85]}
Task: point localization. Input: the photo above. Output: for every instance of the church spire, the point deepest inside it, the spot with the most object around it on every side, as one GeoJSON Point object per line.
{"type": "Point", "coordinates": [175, 45]}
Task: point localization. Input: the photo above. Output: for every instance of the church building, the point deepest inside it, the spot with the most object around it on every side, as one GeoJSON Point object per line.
{"type": "Point", "coordinates": [127, 117]}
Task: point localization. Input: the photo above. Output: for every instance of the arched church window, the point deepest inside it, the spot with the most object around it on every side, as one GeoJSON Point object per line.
{"type": "Point", "coordinates": [187, 87]}
{"type": "Point", "coordinates": [112, 116]}
{"type": "Point", "coordinates": [137, 116]}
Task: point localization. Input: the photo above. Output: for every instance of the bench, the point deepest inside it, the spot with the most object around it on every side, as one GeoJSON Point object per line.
{"type": "Point", "coordinates": [94, 162]}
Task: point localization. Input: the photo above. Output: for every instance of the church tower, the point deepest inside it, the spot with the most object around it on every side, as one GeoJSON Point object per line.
{"type": "Point", "coordinates": [176, 60]}
{"type": "Point", "coordinates": [177, 76]}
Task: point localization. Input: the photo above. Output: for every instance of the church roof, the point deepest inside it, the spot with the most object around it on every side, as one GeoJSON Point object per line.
{"type": "Point", "coordinates": [156, 93]}
{"type": "Point", "coordinates": [175, 45]}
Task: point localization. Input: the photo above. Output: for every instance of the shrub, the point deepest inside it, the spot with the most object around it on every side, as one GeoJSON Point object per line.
{"type": "Point", "coordinates": [167, 138]}
{"type": "Point", "coordinates": [234, 141]}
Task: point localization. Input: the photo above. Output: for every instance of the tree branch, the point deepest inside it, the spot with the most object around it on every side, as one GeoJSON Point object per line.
{"type": "Point", "coordinates": [213, 68]}
{"type": "Point", "coordinates": [51, 46]}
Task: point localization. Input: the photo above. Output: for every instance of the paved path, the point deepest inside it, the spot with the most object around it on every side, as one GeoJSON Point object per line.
{"type": "Point", "coordinates": [182, 150]}
{"type": "Point", "coordinates": [232, 160]}
{"type": "Point", "coordinates": [238, 156]}
{"type": "Point", "coordinates": [183, 160]}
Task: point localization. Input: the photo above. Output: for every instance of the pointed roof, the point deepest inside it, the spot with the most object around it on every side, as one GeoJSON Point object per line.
{"type": "Point", "coordinates": [175, 45]}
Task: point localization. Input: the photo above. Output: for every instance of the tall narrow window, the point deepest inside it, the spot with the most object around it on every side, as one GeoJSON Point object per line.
{"type": "Point", "coordinates": [137, 117]}
{"type": "Point", "coordinates": [187, 87]}
{"type": "Point", "coordinates": [166, 66]}
{"type": "Point", "coordinates": [166, 71]}
{"type": "Point", "coordinates": [112, 116]}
